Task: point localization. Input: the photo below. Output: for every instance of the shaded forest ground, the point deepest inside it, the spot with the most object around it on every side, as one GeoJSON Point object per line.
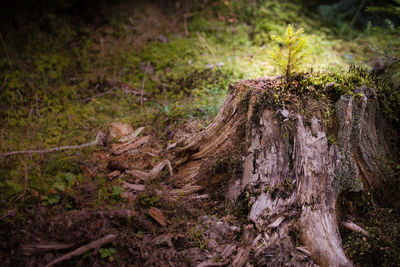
{"type": "Point", "coordinates": [162, 66]}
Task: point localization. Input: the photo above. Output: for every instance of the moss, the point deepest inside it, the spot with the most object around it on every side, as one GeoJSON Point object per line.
{"type": "Point", "coordinates": [63, 79]}
{"type": "Point", "coordinates": [332, 140]}
{"type": "Point", "coordinates": [243, 205]}
{"type": "Point", "coordinates": [148, 200]}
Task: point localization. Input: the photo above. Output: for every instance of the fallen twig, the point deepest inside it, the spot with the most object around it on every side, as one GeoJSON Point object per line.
{"type": "Point", "coordinates": [135, 187]}
{"type": "Point", "coordinates": [204, 196]}
{"type": "Point", "coordinates": [79, 251]}
{"type": "Point", "coordinates": [158, 216]}
{"type": "Point", "coordinates": [31, 249]}
{"type": "Point", "coordinates": [138, 174]}
{"type": "Point", "coordinates": [157, 170]}
{"type": "Point", "coordinates": [354, 227]}
{"type": "Point", "coordinates": [98, 141]}
{"type": "Point", "coordinates": [304, 251]}
{"type": "Point", "coordinates": [171, 172]}
{"type": "Point", "coordinates": [119, 149]}
{"type": "Point", "coordinates": [153, 173]}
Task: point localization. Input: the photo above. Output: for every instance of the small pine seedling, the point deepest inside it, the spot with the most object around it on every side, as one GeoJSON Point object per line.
{"type": "Point", "coordinates": [290, 59]}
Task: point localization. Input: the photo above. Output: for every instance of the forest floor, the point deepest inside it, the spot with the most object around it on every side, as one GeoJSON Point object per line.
{"type": "Point", "coordinates": [163, 67]}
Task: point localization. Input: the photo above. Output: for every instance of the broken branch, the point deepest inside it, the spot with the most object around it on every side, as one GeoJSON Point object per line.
{"type": "Point", "coordinates": [153, 173]}
{"type": "Point", "coordinates": [349, 225]}
{"type": "Point", "coordinates": [98, 141]}
{"type": "Point", "coordinates": [79, 251]}
{"type": "Point", "coordinates": [31, 249]}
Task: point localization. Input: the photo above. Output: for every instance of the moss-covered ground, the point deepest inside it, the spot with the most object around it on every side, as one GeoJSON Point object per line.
{"type": "Point", "coordinates": [149, 64]}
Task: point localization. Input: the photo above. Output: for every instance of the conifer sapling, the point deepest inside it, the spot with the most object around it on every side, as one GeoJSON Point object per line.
{"type": "Point", "coordinates": [290, 58]}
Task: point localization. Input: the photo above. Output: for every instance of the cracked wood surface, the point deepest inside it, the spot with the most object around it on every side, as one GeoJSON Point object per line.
{"type": "Point", "coordinates": [292, 172]}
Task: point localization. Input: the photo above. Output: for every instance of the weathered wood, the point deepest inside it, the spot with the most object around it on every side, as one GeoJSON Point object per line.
{"type": "Point", "coordinates": [153, 173]}
{"type": "Point", "coordinates": [31, 249]}
{"type": "Point", "coordinates": [292, 172]}
{"type": "Point", "coordinates": [135, 187]}
{"type": "Point", "coordinates": [157, 215]}
{"type": "Point", "coordinates": [354, 227]}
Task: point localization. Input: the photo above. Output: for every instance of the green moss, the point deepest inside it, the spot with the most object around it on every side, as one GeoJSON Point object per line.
{"type": "Point", "coordinates": [243, 205]}
{"type": "Point", "coordinates": [148, 200]}
{"type": "Point", "coordinates": [53, 68]}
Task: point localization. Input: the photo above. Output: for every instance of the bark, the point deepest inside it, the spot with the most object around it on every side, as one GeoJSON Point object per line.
{"type": "Point", "coordinates": [290, 167]}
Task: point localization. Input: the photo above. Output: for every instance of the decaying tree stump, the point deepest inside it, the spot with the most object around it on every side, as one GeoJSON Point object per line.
{"type": "Point", "coordinates": [292, 165]}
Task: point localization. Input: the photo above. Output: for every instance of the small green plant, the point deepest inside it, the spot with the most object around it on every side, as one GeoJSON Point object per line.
{"type": "Point", "coordinates": [332, 140]}
{"type": "Point", "coordinates": [148, 200]}
{"type": "Point", "coordinates": [50, 199]}
{"type": "Point", "coordinates": [117, 191]}
{"type": "Point", "coordinates": [196, 235]}
{"type": "Point", "coordinates": [107, 253]}
{"type": "Point", "coordinates": [290, 59]}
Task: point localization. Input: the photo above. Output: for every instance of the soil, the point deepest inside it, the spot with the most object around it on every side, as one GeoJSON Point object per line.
{"type": "Point", "coordinates": [199, 230]}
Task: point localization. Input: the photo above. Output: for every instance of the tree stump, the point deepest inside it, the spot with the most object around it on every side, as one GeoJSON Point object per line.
{"type": "Point", "coordinates": [293, 162]}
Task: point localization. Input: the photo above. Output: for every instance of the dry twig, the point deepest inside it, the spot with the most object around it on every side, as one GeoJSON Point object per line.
{"type": "Point", "coordinates": [354, 227]}
{"type": "Point", "coordinates": [31, 249]}
{"type": "Point", "coordinates": [98, 141]}
{"type": "Point", "coordinates": [79, 251]}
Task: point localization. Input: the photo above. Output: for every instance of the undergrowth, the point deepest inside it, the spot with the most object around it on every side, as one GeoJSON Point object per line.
{"type": "Point", "coordinates": [65, 77]}
{"type": "Point", "coordinates": [381, 246]}
{"type": "Point", "coordinates": [62, 80]}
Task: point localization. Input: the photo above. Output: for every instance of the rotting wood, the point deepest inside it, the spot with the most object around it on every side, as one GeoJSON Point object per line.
{"type": "Point", "coordinates": [156, 170]}
{"type": "Point", "coordinates": [135, 187]}
{"type": "Point", "coordinates": [79, 251]}
{"type": "Point", "coordinates": [114, 174]}
{"type": "Point", "coordinates": [31, 249]}
{"type": "Point", "coordinates": [157, 215]}
{"type": "Point", "coordinates": [292, 172]}
{"type": "Point", "coordinates": [304, 251]}
{"type": "Point", "coordinates": [204, 196]}
{"type": "Point", "coordinates": [119, 149]}
{"type": "Point", "coordinates": [242, 256]}
{"type": "Point", "coordinates": [138, 174]}
{"type": "Point", "coordinates": [131, 137]}
{"type": "Point", "coordinates": [349, 225]}
{"type": "Point", "coordinates": [153, 173]}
